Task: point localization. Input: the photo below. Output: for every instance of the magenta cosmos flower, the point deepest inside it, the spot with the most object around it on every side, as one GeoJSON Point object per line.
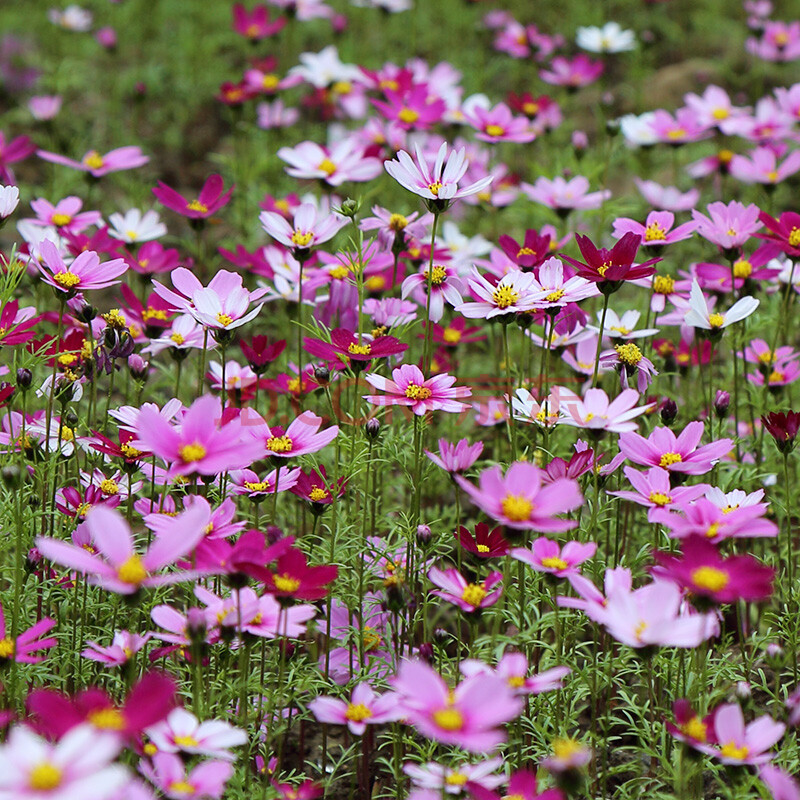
{"type": "Point", "coordinates": [518, 499]}
{"type": "Point", "coordinates": [347, 349]}
{"type": "Point", "coordinates": [738, 744]}
{"type": "Point", "coordinates": [408, 387]}
{"type": "Point", "coordinates": [546, 555]}
{"type": "Point", "coordinates": [84, 273]}
{"type": "Point", "coordinates": [702, 570]}
{"type": "Point", "coordinates": [210, 200]}
{"type": "Point", "coordinates": [365, 707]}
{"type": "Point", "coordinates": [572, 72]}
{"type": "Point", "coordinates": [656, 230]}
{"type": "Point", "coordinates": [199, 443]}
{"type": "Point", "coordinates": [784, 232]}
{"type": "Point", "coordinates": [675, 453]}
{"type": "Point", "coordinates": [308, 228]}
{"type": "Point", "coordinates": [98, 165]}
{"type": "Point", "coordinates": [437, 184]}
{"type": "Point", "coordinates": [728, 226]}
{"type": "Point", "coordinates": [24, 648]}
{"type": "Point", "coordinates": [457, 457]}
{"type": "Point", "coordinates": [113, 563]}
{"type": "Point", "coordinates": [468, 716]}
{"type": "Point", "coordinates": [498, 124]}
{"type": "Point", "coordinates": [469, 597]}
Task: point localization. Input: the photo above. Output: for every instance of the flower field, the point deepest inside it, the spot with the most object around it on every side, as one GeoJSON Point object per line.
{"type": "Point", "coordinates": [397, 400]}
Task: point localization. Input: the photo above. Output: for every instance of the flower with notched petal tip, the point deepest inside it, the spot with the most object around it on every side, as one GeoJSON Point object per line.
{"type": "Point", "coordinates": [210, 200]}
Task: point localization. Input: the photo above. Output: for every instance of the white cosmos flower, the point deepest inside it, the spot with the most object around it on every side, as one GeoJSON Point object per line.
{"type": "Point", "coordinates": [699, 316]}
{"type": "Point", "coordinates": [608, 39]}
{"type": "Point", "coordinates": [9, 200]}
{"type": "Point", "coordinates": [134, 227]}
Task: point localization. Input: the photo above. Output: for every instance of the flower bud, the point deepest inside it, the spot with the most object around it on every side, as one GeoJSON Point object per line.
{"type": "Point", "coordinates": [349, 207]}
{"type": "Point", "coordinates": [373, 428]}
{"type": "Point", "coordinates": [138, 367]}
{"type": "Point", "coordinates": [24, 379]}
{"type": "Point", "coordinates": [322, 375]}
{"type": "Point", "coordinates": [12, 476]}
{"type": "Point", "coordinates": [669, 411]}
{"type": "Point", "coordinates": [273, 534]}
{"type": "Point", "coordinates": [721, 404]}
{"type": "Point", "coordinates": [426, 652]}
{"type": "Point", "coordinates": [424, 534]}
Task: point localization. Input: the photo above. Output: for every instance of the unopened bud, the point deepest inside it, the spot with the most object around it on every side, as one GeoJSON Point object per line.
{"type": "Point", "coordinates": [11, 475]}
{"type": "Point", "coordinates": [669, 411]}
{"type": "Point", "coordinates": [322, 375]}
{"type": "Point", "coordinates": [349, 207]}
{"type": "Point", "coordinates": [424, 534]}
{"type": "Point", "coordinates": [722, 403]}
{"type": "Point", "coordinates": [426, 651]}
{"type": "Point", "coordinates": [138, 367]}
{"type": "Point", "coordinates": [273, 534]}
{"type": "Point", "coordinates": [373, 428]}
{"type": "Point", "coordinates": [24, 379]}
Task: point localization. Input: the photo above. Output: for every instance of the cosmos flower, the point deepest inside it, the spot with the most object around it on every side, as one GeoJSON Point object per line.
{"type": "Point", "coordinates": [409, 387]}
{"type": "Point", "coordinates": [456, 458]}
{"type": "Point", "coordinates": [98, 165]}
{"type": "Point", "coordinates": [365, 707]}
{"type": "Point", "coordinates": [83, 274]}
{"type": "Point", "coordinates": [469, 597]}
{"type": "Point", "coordinates": [611, 38]}
{"type": "Point", "coordinates": [738, 744]}
{"type": "Point", "coordinates": [699, 315]}
{"type": "Point", "coordinates": [24, 649]}
{"type": "Point", "coordinates": [210, 199]}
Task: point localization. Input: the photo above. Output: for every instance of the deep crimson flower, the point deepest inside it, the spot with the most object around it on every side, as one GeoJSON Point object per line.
{"type": "Point", "coordinates": [261, 352]}
{"type": "Point", "coordinates": [346, 350]}
{"type": "Point", "coordinates": [210, 200]}
{"type": "Point", "coordinates": [256, 24]}
{"type": "Point", "coordinates": [785, 232]}
{"type": "Point", "coordinates": [148, 702]}
{"type": "Point", "coordinates": [129, 454]}
{"type": "Point", "coordinates": [484, 543]}
{"type": "Point", "coordinates": [609, 269]}
{"type": "Point", "coordinates": [456, 333]}
{"type": "Point", "coordinates": [703, 571]}
{"type": "Point", "coordinates": [783, 427]}
{"type": "Point", "coordinates": [294, 579]}
{"type": "Point", "coordinates": [533, 251]}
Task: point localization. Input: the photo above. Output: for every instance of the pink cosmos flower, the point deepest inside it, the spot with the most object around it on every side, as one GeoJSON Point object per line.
{"type": "Point", "coordinates": [457, 457]}
{"type": "Point", "coordinates": [737, 744]}
{"type": "Point", "coordinates": [516, 291]}
{"type": "Point", "coordinates": [762, 166]}
{"type": "Point", "coordinates": [365, 707]}
{"type": "Point", "coordinates": [437, 184]}
{"type": "Point", "coordinates": [657, 229]}
{"type": "Point", "coordinates": [182, 732]}
{"type": "Point", "coordinates": [513, 669]}
{"type": "Point", "coordinates": [210, 200]}
{"type": "Point", "coordinates": [409, 387]}
{"type": "Point", "coordinates": [24, 648]}
{"type": "Point", "coordinates": [675, 453]}
{"type": "Point", "coordinates": [224, 304]}
{"type": "Point", "coordinates": [79, 765]}
{"type": "Point", "coordinates": [564, 195]}
{"type": "Point", "coordinates": [780, 41]}
{"type": "Point", "coordinates": [653, 490]}
{"type": "Point", "coordinates": [83, 274]}
{"type": "Point", "coordinates": [667, 197]}
{"type": "Point", "coordinates": [98, 165]}
{"type": "Point", "coordinates": [124, 646]}
{"type": "Point", "coordinates": [714, 108]}
{"type": "Point", "coordinates": [309, 227]}
{"type": "Point", "coordinates": [677, 130]}
{"type": "Point", "coordinates": [11, 151]}
{"type": "Point", "coordinates": [246, 482]}
{"type": "Point", "coordinates": [493, 412]}
{"type": "Point", "coordinates": [433, 781]}
{"type": "Point", "coordinates": [113, 562]}
{"type": "Point", "coordinates": [469, 597]}
{"type": "Point", "coordinates": [572, 72]}
{"type": "Point", "coordinates": [412, 108]}
{"type": "Point", "coordinates": [728, 226]}
{"type": "Point", "coordinates": [546, 555]}
{"type": "Point", "coordinates": [199, 443]}
{"type": "Point", "coordinates": [468, 716]}
{"type": "Point", "coordinates": [782, 785]}
{"type": "Point", "coordinates": [518, 499]}
{"type": "Point", "coordinates": [276, 115]}
{"type": "Point", "coordinates": [169, 775]}
{"type": "Point", "coordinates": [256, 24]}
{"type": "Point", "coordinates": [560, 287]}
{"type": "Point", "coordinates": [343, 162]}
{"type": "Point", "coordinates": [445, 285]}
{"type": "Point", "coordinates": [301, 437]}
{"type": "Point", "coordinates": [498, 124]}
{"type": "Point", "coordinates": [597, 413]}
{"type": "Point", "coordinates": [65, 215]}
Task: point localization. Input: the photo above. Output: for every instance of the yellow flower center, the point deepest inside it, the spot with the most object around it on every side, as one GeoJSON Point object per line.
{"type": "Point", "coordinates": [153, 313]}
{"type": "Point", "coordinates": [710, 578]}
{"type": "Point", "coordinates": [302, 239]}
{"type": "Point", "coordinates": [260, 486]}
{"type": "Point", "coordinates": [196, 205]}
{"type": "Point", "coordinates": [132, 571]}
{"type": "Point", "coordinates": [293, 385]}
{"type": "Point", "coordinates": [93, 160]}
{"type": "Point", "coordinates": [397, 222]}
{"type": "Point", "coordinates": [621, 329]}
{"type": "Point", "coordinates": [742, 269]}
{"type": "Point", "coordinates": [494, 130]}
{"type": "Point", "coordinates": [372, 639]}
{"type": "Point", "coordinates": [438, 275]}
{"type": "Point", "coordinates": [473, 594]}
{"type": "Point", "coordinates": [415, 392]}
{"type": "Point", "coordinates": [339, 273]}
{"type": "Point", "coordinates": [45, 777]}
{"type": "Point", "coordinates": [449, 719]}
{"type": "Point", "coordinates": [516, 507]}
{"type": "Point", "coordinates": [639, 630]}
{"type": "Point", "coordinates": [483, 548]}
{"type": "Point", "coordinates": [629, 353]}
{"type": "Point", "coordinates": [716, 320]}
{"type": "Point", "coordinates": [60, 220]}
{"type": "Point", "coordinates": [279, 444]}
{"type": "Point", "coordinates": [327, 166]}
{"type": "Point", "coordinates": [270, 81]}
{"type": "Point", "coordinates": [668, 459]}
{"type": "Point", "coordinates": [663, 284]}
{"type": "Point", "coordinates": [128, 451]}
{"type": "Point", "coordinates": [408, 115]}
{"type": "Point", "coordinates": [525, 251]}
{"type": "Point", "coordinates": [659, 498]}
{"type": "Point", "coordinates": [357, 713]}
{"type": "Point", "coordinates": [342, 87]}
{"type": "Point", "coordinates": [732, 750]}
{"type": "Point", "coordinates": [186, 741]}
{"type": "Point", "coordinates": [555, 296]}
{"type": "Point", "coordinates": [67, 434]}
{"type": "Point", "coordinates": [516, 681]}
{"type": "Point", "coordinates": [695, 728]}
{"type": "Point", "coordinates": [565, 748]}
{"type": "Point", "coordinates": [375, 283]}
{"type": "Point", "coordinates": [676, 133]}
{"type": "Point", "coordinates": [456, 779]}
{"type": "Point", "coordinates": [451, 335]}
{"type": "Point", "coordinates": [177, 338]}
{"type": "Point", "coordinates": [7, 648]}
{"type": "Point", "coordinates": [109, 486]}
{"type": "Point", "coordinates": [192, 452]}
{"type": "Point", "coordinates": [286, 583]}
{"type": "Point", "coordinates": [530, 108]}
{"type": "Point", "coordinates": [434, 188]}
{"type": "Point", "coordinates": [603, 268]}
{"type": "Point", "coordinates": [505, 296]}
{"type": "Point", "coordinates": [359, 349]}
{"type": "Point", "coordinates": [67, 280]}
{"type": "Point", "coordinates": [67, 359]}
{"type": "Point", "coordinates": [794, 237]}
{"type": "Point", "coordinates": [712, 531]}
{"type": "Point", "coordinates": [224, 319]}
{"type": "Point", "coordinates": [655, 232]}
{"type": "Point", "coordinates": [110, 719]}
{"type": "Point", "coordinates": [552, 562]}
{"type": "Point", "coordinates": [318, 494]}
{"type": "Point", "coordinates": [181, 787]}
{"type": "Point", "coordinates": [776, 377]}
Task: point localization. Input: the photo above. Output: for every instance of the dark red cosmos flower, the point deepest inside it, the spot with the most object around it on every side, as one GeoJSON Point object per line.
{"type": "Point", "coordinates": [532, 253]}
{"type": "Point", "coordinates": [130, 455]}
{"type": "Point", "coordinates": [783, 427]}
{"type": "Point", "coordinates": [609, 269]}
{"type": "Point", "coordinates": [99, 241]}
{"type": "Point", "coordinates": [19, 333]}
{"type": "Point", "coordinates": [293, 579]}
{"type": "Point", "coordinates": [148, 703]}
{"type": "Point", "coordinates": [260, 352]}
{"type": "Point", "coordinates": [210, 200]}
{"type": "Point", "coordinates": [6, 392]}
{"type": "Point", "coordinates": [346, 350]}
{"type": "Point", "coordinates": [689, 727]}
{"type": "Point", "coordinates": [785, 232]}
{"type": "Point", "coordinates": [484, 543]}
{"type": "Point", "coordinates": [234, 94]}
{"type": "Point", "coordinates": [290, 384]}
{"type": "Point", "coordinates": [152, 317]}
{"type": "Point", "coordinates": [77, 506]}
{"type": "Point", "coordinates": [703, 571]}
{"type": "Point", "coordinates": [318, 489]}
{"type": "Point", "coordinates": [456, 332]}
{"type": "Point", "coordinates": [579, 464]}
{"type": "Point", "coordinates": [256, 24]}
